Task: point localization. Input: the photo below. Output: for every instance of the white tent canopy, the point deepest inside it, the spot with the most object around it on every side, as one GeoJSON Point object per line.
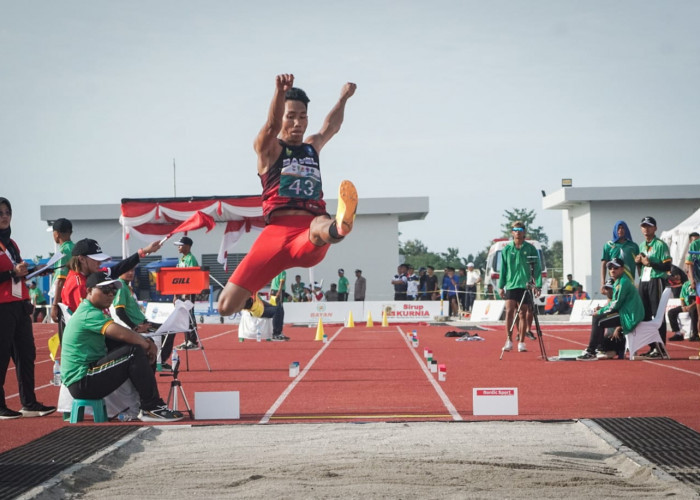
{"type": "Point", "coordinates": [677, 238]}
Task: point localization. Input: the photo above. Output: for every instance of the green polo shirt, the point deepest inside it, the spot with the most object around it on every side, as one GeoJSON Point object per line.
{"type": "Point", "coordinates": [694, 258]}
{"type": "Point", "coordinates": [515, 266]}
{"type": "Point", "coordinates": [658, 253]}
{"type": "Point", "coordinates": [124, 298]}
{"type": "Point", "coordinates": [36, 296]}
{"type": "Point", "coordinates": [279, 281]}
{"type": "Point", "coordinates": [343, 284]}
{"type": "Point", "coordinates": [187, 261]}
{"type": "Point", "coordinates": [83, 341]}
{"type": "Point", "coordinates": [627, 251]}
{"type": "Point", "coordinates": [687, 294]}
{"type": "Point", "coordinates": [61, 265]}
{"type": "Point", "coordinates": [627, 302]}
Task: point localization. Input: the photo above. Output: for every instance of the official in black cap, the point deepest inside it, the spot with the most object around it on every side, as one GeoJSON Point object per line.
{"type": "Point", "coordinates": [187, 259]}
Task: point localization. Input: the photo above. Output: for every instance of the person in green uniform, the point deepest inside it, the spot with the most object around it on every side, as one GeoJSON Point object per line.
{"type": "Point", "coordinates": [62, 231]}
{"type": "Point", "coordinates": [278, 287]}
{"type": "Point", "coordinates": [624, 312]}
{"type": "Point", "coordinates": [692, 267]}
{"type": "Point", "coordinates": [688, 305]}
{"type": "Point", "coordinates": [655, 261]}
{"type": "Point", "coordinates": [622, 246]}
{"type": "Point", "coordinates": [298, 289]}
{"type": "Point", "coordinates": [343, 285]}
{"type": "Point", "coordinates": [90, 371]}
{"type": "Point", "coordinates": [37, 298]}
{"type": "Point", "coordinates": [187, 259]}
{"type": "Point", "coordinates": [517, 257]}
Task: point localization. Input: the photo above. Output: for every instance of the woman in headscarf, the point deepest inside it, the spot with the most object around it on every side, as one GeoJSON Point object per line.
{"type": "Point", "coordinates": [16, 335]}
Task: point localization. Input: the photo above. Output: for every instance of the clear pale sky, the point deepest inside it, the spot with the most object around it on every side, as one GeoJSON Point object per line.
{"type": "Point", "coordinates": [479, 105]}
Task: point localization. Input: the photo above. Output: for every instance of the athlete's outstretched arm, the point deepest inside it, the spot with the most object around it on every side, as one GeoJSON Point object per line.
{"type": "Point", "coordinates": [269, 132]}
{"type": "Point", "coordinates": [332, 123]}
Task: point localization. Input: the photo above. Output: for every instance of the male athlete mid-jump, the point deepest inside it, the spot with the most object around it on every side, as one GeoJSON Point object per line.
{"type": "Point", "coordinates": [298, 230]}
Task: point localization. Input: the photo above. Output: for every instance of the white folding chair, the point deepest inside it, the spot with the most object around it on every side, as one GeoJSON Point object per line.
{"type": "Point", "coordinates": [647, 332]}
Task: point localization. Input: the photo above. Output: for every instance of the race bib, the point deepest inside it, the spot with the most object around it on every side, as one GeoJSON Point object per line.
{"type": "Point", "coordinates": [646, 273]}
{"type": "Point", "coordinates": [300, 181]}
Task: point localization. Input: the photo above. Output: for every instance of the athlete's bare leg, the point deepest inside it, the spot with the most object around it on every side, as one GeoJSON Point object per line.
{"type": "Point", "coordinates": [232, 299]}
{"type": "Point", "coordinates": [523, 323]}
{"type": "Point", "coordinates": [511, 307]}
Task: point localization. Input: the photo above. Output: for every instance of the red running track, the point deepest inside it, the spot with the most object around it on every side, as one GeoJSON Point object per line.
{"type": "Point", "coordinates": [373, 374]}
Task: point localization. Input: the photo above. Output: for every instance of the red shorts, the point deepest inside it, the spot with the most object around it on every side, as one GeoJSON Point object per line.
{"type": "Point", "coordinates": [284, 243]}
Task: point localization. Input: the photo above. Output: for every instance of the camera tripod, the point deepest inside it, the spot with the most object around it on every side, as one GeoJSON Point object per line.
{"type": "Point", "coordinates": [176, 386]}
{"type": "Point", "coordinates": [530, 292]}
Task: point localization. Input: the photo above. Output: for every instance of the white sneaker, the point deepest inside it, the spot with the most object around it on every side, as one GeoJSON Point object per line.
{"type": "Point", "coordinates": [508, 346]}
{"type": "Point", "coordinates": [521, 347]}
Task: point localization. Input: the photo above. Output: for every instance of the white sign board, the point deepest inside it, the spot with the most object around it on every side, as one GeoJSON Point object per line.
{"type": "Point", "coordinates": [217, 405]}
{"type": "Point", "coordinates": [495, 400]}
{"type": "Point", "coordinates": [487, 310]}
{"type": "Point", "coordinates": [583, 310]}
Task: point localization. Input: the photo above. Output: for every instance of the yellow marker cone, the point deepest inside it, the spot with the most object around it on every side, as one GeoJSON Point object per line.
{"type": "Point", "coordinates": [369, 319]}
{"type": "Point", "coordinates": [319, 330]}
{"type": "Point", "coordinates": [54, 342]}
{"type": "Point", "coordinates": [385, 321]}
{"type": "Point", "coordinates": [351, 322]}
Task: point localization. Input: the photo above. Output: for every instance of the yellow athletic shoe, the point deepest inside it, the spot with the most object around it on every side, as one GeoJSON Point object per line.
{"type": "Point", "coordinates": [258, 307]}
{"type": "Point", "coordinates": [347, 206]}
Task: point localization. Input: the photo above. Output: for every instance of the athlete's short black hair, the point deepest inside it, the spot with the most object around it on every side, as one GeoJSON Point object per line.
{"type": "Point", "coordinates": [296, 94]}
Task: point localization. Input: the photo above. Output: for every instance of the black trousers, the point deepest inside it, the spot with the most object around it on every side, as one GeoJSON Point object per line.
{"type": "Point", "coordinates": [673, 320]}
{"type": "Point", "coordinates": [598, 340]}
{"type": "Point", "coordinates": [127, 362]}
{"type": "Point", "coordinates": [650, 292]}
{"type": "Point", "coordinates": [17, 342]}
{"type": "Point", "coordinates": [277, 315]}
{"type": "Point", "coordinates": [470, 297]}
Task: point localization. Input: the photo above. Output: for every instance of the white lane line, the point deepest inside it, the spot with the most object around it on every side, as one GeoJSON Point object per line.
{"type": "Point", "coordinates": [297, 379]}
{"type": "Point", "coordinates": [445, 400]}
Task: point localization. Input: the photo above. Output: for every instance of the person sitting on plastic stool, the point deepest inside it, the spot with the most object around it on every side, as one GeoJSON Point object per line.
{"type": "Point", "coordinates": [89, 371]}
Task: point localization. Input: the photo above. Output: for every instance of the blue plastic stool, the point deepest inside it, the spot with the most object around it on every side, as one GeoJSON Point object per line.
{"type": "Point", "coordinates": [99, 410]}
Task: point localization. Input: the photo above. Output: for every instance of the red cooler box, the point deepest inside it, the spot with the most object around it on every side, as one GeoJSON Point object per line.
{"type": "Point", "coordinates": [182, 280]}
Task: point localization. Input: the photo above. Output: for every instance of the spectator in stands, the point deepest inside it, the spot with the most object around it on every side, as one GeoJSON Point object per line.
{"type": "Point", "coordinates": [431, 284]}
{"type": "Point", "coordinates": [473, 278]}
{"type": "Point", "coordinates": [579, 294]}
{"type": "Point", "coordinates": [360, 286]}
{"type": "Point", "coordinates": [412, 283]}
{"type": "Point", "coordinates": [449, 290]}
{"type": "Point", "coordinates": [621, 246]}
{"type": "Point", "coordinates": [688, 305]}
{"type": "Point", "coordinates": [332, 294]}
{"type": "Point", "coordinates": [400, 282]}
{"type": "Point", "coordinates": [343, 286]}
{"type": "Point", "coordinates": [298, 290]}
{"type": "Point", "coordinates": [624, 312]}
{"type": "Point", "coordinates": [317, 294]}
{"type": "Point", "coordinates": [90, 371]}
{"type": "Point", "coordinates": [675, 279]}
{"type": "Point", "coordinates": [489, 293]}
{"type": "Point", "coordinates": [655, 259]}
